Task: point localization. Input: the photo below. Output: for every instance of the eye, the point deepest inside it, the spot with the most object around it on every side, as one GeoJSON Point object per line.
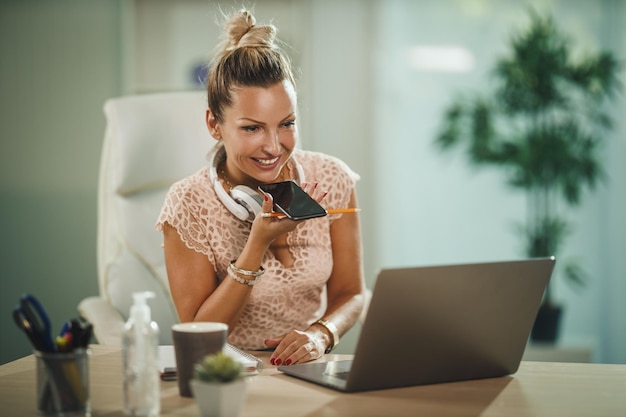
{"type": "Point", "coordinates": [250, 129]}
{"type": "Point", "coordinates": [289, 123]}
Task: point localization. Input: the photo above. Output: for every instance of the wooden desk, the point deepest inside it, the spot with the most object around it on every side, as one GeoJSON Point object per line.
{"type": "Point", "coordinates": [557, 353]}
{"type": "Point", "coordinates": [537, 389]}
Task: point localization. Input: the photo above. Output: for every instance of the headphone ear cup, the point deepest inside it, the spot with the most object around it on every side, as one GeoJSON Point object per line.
{"type": "Point", "coordinates": [249, 199]}
{"type": "Point", "coordinates": [236, 209]}
{"type": "Point", "coordinates": [239, 211]}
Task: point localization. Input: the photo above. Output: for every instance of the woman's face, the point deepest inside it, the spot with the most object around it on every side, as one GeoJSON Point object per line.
{"type": "Point", "coordinates": [259, 133]}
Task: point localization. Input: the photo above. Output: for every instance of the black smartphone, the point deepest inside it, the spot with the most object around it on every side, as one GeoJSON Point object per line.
{"type": "Point", "coordinates": [293, 201]}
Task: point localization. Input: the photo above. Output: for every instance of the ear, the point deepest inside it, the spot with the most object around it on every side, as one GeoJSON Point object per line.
{"type": "Point", "coordinates": [212, 125]}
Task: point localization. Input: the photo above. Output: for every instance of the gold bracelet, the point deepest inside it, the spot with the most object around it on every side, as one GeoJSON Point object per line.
{"type": "Point", "coordinates": [240, 280]}
{"type": "Point", "coordinates": [245, 272]}
{"type": "Point", "coordinates": [233, 270]}
{"type": "Point", "coordinates": [332, 329]}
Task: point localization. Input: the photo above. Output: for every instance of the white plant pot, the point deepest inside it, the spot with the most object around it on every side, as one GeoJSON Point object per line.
{"type": "Point", "coordinates": [219, 399]}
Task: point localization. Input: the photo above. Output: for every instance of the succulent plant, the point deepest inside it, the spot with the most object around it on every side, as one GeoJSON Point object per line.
{"type": "Point", "coordinates": [218, 367]}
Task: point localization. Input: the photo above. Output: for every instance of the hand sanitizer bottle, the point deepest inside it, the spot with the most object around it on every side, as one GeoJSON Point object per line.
{"type": "Point", "coordinates": [140, 339]}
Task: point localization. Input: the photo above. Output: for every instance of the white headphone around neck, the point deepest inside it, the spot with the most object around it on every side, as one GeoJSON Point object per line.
{"type": "Point", "coordinates": [243, 202]}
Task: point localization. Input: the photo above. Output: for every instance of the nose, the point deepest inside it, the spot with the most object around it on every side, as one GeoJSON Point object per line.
{"type": "Point", "coordinates": [271, 144]}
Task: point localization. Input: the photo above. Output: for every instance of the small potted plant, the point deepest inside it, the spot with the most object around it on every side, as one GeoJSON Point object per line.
{"type": "Point", "coordinates": [219, 386]}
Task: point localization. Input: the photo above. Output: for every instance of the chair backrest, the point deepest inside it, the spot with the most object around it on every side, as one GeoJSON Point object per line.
{"type": "Point", "coordinates": [150, 142]}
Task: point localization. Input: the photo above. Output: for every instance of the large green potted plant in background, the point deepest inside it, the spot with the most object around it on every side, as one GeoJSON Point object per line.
{"type": "Point", "coordinates": [543, 125]}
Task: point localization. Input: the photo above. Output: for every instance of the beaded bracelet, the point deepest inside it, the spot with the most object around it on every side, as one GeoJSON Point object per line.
{"type": "Point", "coordinates": [233, 270]}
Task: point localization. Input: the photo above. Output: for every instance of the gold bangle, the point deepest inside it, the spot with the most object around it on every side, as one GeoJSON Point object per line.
{"type": "Point", "coordinates": [249, 282]}
{"type": "Point", "coordinates": [334, 333]}
{"type": "Point", "coordinates": [245, 272]}
{"type": "Point", "coordinates": [233, 271]}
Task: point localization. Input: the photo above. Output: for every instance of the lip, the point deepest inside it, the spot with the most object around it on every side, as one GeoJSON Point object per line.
{"type": "Point", "coordinates": [267, 167]}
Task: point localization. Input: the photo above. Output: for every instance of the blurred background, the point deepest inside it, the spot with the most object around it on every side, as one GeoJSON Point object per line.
{"type": "Point", "coordinates": [367, 95]}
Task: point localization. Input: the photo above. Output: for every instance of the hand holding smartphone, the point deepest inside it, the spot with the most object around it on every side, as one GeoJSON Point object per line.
{"type": "Point", "coordinates": [291, 200]}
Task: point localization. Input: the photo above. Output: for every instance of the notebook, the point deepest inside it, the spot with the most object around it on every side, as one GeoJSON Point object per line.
{"type": "Point", "coordinates": [167, 361]}
{"type": "Point", "coordinates": [436, 324]}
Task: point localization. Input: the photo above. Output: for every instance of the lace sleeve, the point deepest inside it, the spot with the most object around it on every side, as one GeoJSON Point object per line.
{"type": "Point", "coordinates": [184, 206]}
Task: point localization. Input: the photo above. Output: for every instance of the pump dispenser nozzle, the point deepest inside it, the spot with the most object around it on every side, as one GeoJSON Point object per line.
{"type": "Point", "coordinates": [140, 312]}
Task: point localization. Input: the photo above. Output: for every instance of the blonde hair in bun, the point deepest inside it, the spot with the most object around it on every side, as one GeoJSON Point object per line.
{"type": "Point", "coordinates": [248, 56]}
{"type": "Point", "coordinates": [241, 30]}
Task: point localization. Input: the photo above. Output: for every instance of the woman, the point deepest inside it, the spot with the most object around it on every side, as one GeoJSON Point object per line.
{"type": "Point", "coordinates": [217, 250]}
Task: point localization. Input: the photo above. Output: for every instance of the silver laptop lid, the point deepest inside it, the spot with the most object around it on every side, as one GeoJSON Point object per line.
{"type": "Point", "coordinates": [448, 323]}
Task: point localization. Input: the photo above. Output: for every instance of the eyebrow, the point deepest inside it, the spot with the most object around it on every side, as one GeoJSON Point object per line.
{"type": "Point", "coordinates": [290, 115]}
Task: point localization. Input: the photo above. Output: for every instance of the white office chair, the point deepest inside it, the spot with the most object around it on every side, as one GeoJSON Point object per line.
{"type": "Point", "coordinates": [150, 142]}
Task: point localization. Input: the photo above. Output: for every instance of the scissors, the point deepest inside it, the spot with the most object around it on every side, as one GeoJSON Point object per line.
{"type": "Point", "coordinates": [32, 319]}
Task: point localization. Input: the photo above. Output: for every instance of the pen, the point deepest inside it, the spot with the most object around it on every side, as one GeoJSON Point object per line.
{"type": "Point", "coordinates": [331, 211]}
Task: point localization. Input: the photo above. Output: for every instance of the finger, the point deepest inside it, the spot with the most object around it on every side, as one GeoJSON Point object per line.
{"type": "Point", "coordinates": [272, 343]}
{"type": "Point", "coordinates": [268, 203]}
{"type": "Point", "coordinates": [286, 347]}
{"type": "Point", "coordinates": [297, 347]}
{"type": "Point", "coordinates": [308, 187]}
{"type": "Point", "coordinates": [313, 349]}
{"type": "Point", "coordinates": [316, 193]}
{"type": "Point", "coordinates": [266, 207]}
{"type": "Point", "coordinates": [303, 354]}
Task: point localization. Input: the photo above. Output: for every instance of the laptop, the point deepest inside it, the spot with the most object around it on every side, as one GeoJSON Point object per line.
{"type": "Point", "coordinates": [436, 324]}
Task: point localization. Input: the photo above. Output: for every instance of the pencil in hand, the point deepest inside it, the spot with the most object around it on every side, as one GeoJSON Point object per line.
{"type": "Point", "coordinates": [331, 211]}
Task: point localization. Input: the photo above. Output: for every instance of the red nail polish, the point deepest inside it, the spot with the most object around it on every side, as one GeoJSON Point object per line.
{"type": "Point", "coordinates": [288, 362]}
{"type": "Point", "coordinates": [272, 361]}
{"type": "Point", "coordinates": [265, 197]}
{"type": "Point", "coordinates": [278, 361]}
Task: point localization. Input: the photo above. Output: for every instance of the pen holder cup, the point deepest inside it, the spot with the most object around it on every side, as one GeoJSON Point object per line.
{"type": "Point", "coordinates": [63, 382]}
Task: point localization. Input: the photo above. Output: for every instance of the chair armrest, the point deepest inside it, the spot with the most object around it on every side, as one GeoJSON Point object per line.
{"type": "Point", "coordinates": [106, 320]}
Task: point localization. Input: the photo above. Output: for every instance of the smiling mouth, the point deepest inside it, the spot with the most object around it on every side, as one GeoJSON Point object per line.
{"type": "Point", "coordinates": [267, 162]}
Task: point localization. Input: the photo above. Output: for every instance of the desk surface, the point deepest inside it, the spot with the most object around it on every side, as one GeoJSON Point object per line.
{"type": "Point", "coordinates": [537, 389]}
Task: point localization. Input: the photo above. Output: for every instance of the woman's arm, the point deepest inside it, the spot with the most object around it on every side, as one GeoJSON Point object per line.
{"type": "Point", "coordinates": [194, 286]}
{"type": "Point", "coordinates": [192, 279]}
{"type": "Point", "coordinates": [345, 289]}
{"type": "Point", "coordinates": [346, 286]}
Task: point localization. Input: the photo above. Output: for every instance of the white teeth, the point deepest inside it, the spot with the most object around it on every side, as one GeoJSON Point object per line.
{"type": "Point", "coordinates": [267, 161]}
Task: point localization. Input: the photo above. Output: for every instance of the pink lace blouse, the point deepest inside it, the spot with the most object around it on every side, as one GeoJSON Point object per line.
{"type": "Point", "coordinates": [286, 298]}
